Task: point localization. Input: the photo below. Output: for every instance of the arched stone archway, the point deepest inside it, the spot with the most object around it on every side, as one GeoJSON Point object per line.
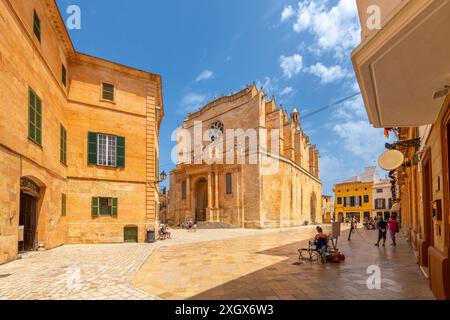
{"type": "Point", "coordinates": [201, 199]}
{"type": "Point", "coordinates": [30, 194]}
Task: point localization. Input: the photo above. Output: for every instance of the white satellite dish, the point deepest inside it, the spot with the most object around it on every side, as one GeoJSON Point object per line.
{"type": "Point", "coordinates": [391, 160]}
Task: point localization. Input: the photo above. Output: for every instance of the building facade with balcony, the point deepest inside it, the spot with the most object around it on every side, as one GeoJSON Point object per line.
{"type": "Point", "coordinates": [78, 138]}
{"type": "Point", "coordinates": [403, 70]}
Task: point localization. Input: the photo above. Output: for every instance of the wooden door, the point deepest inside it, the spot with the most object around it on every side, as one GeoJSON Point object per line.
{"type": "Point", "coordinates": [130, 234]}
{"type": "Point", "coordinates": [28, 219]}
{"type": "Point", "coordinates": [201, 200]}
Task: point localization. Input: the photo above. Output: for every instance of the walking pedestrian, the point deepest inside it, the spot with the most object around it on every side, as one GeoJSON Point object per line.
{"type": "Point", "coordinates": [393, 229]}
{"type": "Point", "coordinates": [382, 230]}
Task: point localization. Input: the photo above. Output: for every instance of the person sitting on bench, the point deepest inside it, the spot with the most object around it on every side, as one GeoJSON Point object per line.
{"type": "Point", "coordinates": [165, 232]}
{"type": "Point", "coordinates": [321, 239]}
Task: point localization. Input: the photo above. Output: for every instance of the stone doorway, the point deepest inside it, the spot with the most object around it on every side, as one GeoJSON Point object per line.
{"type": "Point", "coordinates": [28, 215]}
{"type": "Point", "coordinates": [28, 221]}
{"type": "Point", "coordinates": [201, 200]}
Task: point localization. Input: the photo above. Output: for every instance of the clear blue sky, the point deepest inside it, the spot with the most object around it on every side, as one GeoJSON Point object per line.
{"type": "Point", "coordinates": [298, 50]}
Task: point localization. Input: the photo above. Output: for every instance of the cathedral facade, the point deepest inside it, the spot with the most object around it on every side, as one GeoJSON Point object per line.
{"type": "Point", "coordinates": [244, 162]}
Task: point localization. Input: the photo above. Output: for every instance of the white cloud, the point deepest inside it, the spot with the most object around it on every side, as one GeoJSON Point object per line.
{"type": "Point", "coordinates": [334, 29]}
{"type": "Point", "coordinates": [327, 74]}
{"type": "Point", "coordinates": [361, 139]}
{"type": "Point", "coordinates": [333, 169]}
{"type": "Point", "coordinates": [205, 75]}
{"type": "Point", "coordinates": [269, 85]}
{"type": "Point", "coordinates": [287, 13]}
{"type": "Point", "coordinates": [286, 91]}
{"type": "Point", "coordinates": [191, 102]}
{"type": "Point", "coordinates": [352, 109]}
{"type": "Point", "coordinates": [291, 65]}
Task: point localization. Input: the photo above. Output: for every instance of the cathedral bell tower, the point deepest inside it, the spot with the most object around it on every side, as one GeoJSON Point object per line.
{"type": "Point", "coordinates": [295, 116]}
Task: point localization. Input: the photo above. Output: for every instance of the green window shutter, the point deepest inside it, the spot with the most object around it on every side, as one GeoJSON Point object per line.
{"type": "Point", "coordinates": [63, 205]}
{"type": "Point", "coordinates": [63, 145]}
{"type": "Point", "coordinates": [121, 152]}
{"type": "Point", "coordinates": [38, 121]}
{"type": "Point", "coordinates": [34, 117]}
{"type": "Point", "coordinates": [31, 115]}
{"type": "Point", "coordinates": [95, 207]}
{"type": "Point", "coordinates": [37, 26]}
{"type": "Point", "coordinates": [64, 75]}
{"type": "Point", "coordinates": [114, 209]}
{"type": "Point", "coordinates": [92, 148]}
{"type": "Point", "coordinates": [108, 91]}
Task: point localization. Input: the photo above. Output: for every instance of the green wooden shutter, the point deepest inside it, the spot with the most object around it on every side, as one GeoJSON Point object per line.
{"type": "Point", "coordinates": [31, 115]}
{"type": "Point", "coordinates": [37, 25]}
{"type": "Point", "coordinates": [34, 117]}
{"type": "Point", "coordinates": [38, 120]}
{"type": "Point", "coordinates": [114, 208]}
{"type": "Point", "coordinates": [63, 205]}
{"type": "Point", "coordinates": [92, 148]}
{"type": "Point", "coordinates": [95, 207]}
{"type": "Point", "coordinates": [63, 145]}
{"type": "Point", "coordinates": [121, 152]}
{"type": "Point", "coordinates": [64, 75]}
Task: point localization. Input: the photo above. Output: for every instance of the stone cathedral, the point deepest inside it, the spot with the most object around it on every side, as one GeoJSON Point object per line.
{"type": "Point", "coordinates": [244, 194]}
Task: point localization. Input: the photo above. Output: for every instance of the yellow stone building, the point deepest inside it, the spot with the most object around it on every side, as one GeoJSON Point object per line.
{"type": "Point", "coordinates": [354, 197]}
{"type": "Point", "coordinates": [402, 68]}
{"type": "Point", "coordinates": [78, 138]}
{"type": "Point", "coordinates": [245, 194]}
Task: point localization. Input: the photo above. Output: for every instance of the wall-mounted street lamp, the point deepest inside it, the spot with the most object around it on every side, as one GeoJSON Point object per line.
{"type": "Point", "coordinates": [162, 177]}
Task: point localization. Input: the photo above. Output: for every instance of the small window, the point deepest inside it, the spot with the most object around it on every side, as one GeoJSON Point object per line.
{"type": "Point", "coordinates": [106, 150]}
{"type": "Point", "coordinates": [366, 198]}
{"type": "Point", "coordinates": [37, 26]}
{"type": "Point", "coordinates": [34, 117]}
{"type": "Point", "coordinates": [183, 190]}
{"type": "Point", "coordinates": [339, 200]}
{"type": "Point", "coordinates": [64, 75]}
{"type": "Point", "coordinates": [352, 201]}
{"type": "Point", "coordinates": [63, 205]}
{"type": "Point", "coordinates": [379, 190]}
{"type": "Point", "coordinates": [108, 91]}
{"type": "Point", "coordinates": [229, 186]}
{"type": "Point", "coordinates": [102, 206]}
{"type": "Point", "coordinates": [63, 146]}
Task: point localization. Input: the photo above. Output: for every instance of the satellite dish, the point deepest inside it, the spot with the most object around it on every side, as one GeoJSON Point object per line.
{"type": "Point", "coordinates": [391, 160]}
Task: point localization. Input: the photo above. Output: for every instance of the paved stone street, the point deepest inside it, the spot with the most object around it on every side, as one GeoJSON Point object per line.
{"type": "Point", "coordinates": [76, 272]}
{"type": "Point", "coordinates": [214, 264]}
{"type": "Point", "coordinates": [265, 266]}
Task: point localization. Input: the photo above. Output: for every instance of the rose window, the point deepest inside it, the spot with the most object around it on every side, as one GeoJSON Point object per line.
{"type": "Point", "coordinates": [215, 131]}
